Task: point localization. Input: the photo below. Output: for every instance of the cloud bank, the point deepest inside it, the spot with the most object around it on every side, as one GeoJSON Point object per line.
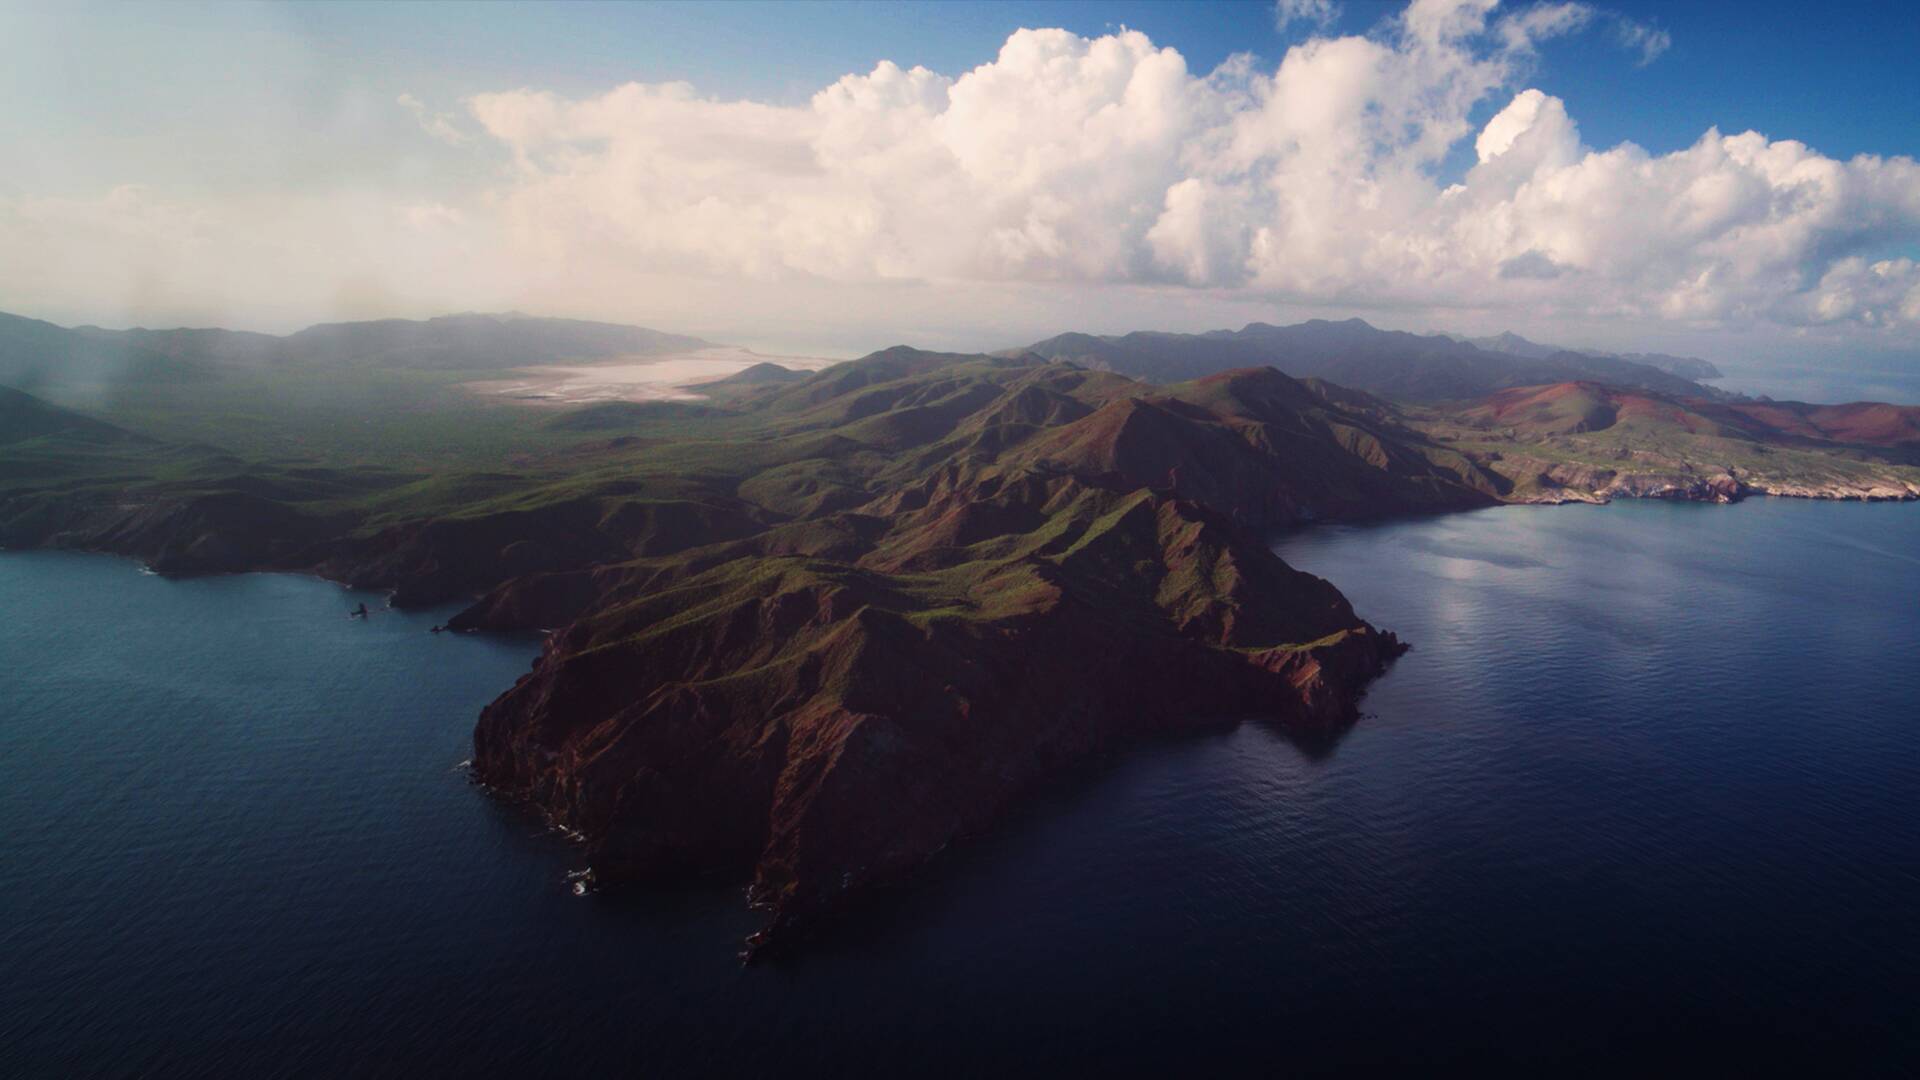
{"type": "Point", "coordinates": [1106, 166]}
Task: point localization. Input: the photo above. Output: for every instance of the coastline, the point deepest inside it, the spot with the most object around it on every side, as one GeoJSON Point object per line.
{"type": "Point", "coordinates": [1325, 685]}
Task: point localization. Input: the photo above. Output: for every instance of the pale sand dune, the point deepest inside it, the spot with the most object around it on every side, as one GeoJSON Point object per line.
{"type": "Point", "coordinates": [669, 377]}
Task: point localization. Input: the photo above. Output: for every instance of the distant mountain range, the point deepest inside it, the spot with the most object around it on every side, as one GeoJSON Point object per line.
{"type": "Point", "coordinates": [1389, 363]}
{"type": "Point", "coordinates": [37, 355]}
{"type": "Point", "coordinates": [34, 353]}
{"type": "Point", "coordinates": [1687, 367]}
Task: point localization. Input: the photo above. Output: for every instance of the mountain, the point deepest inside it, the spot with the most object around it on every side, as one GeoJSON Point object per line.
{"type": "Point", "coordinates": [36, 354]}
{"type": "Point", "coordinates": [475, 341]}
{"type": "Point", "coordinates": [24, 417]}
{"type": "Point", "coordinates": [1389, 363]}
{"type": "Point", "coordinates": [1590, 442]}
{"type": "Point", "coordinates": [1687, 367]}
{"type": "Point", "coordinates": [761, 374]}
{"type": "Point", "coordinates": [1577, 408]}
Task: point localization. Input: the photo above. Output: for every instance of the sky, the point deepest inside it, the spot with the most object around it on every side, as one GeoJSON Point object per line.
{"type": "Point", "coordinates": [1720, 179]}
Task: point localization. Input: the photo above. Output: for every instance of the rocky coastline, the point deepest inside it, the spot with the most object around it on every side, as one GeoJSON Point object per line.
{"type": "Point", "coordinates": [1562, 484]}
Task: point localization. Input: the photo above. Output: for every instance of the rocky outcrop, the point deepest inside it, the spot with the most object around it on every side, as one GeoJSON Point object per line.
{"type": "Point", "coordinates": [1565, 483]}
{"type": "Point", "coordinates": [1863, 490]}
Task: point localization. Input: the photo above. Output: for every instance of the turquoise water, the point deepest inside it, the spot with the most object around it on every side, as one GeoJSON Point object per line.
{"type": "Point", "coordinates": [1645, 786]}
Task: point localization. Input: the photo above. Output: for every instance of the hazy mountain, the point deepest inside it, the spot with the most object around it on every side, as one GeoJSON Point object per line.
{"type": "Point", "coordinates": [34, 353]}
{"type": "Point", "coordinates": [1687, 367]}
{"type": "Point", "coordinates": [24, 417]}
{"type": "Point", "coordinates": [477, 341]}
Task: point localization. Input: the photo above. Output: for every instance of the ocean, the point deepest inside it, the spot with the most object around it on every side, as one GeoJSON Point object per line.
{"type": "Point", "coordinates": [1646, 791]}
{"type": "Point", "coordinates": [1891, 379]}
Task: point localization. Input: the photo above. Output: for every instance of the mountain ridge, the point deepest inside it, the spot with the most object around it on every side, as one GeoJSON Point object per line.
{"type": "Point", "coordinates": [36, 353]}
{"type": "Point", "coordinates": [1354, 354]}
{"type": "Point", "coordinates": [1687, 367]}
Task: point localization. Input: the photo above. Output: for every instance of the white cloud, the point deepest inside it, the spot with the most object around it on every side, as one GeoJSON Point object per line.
{"type": "Point", "coordinates": [1105, 178]}
{"type": "Point", "coordinates": [1527, 26]}
{"type": "Point", "coordinates": [1321, 13]}
{"type": "Point", "coordinates": [440, 125]}
{"type": "Point", "coordinates": [426, 217]}
{"type": "Point", "coordinates": [1650, 41]}
{"type": "Point", "coordinates": [1875, 293]}
{"type": "Point", "coordinates": [1106, 160]}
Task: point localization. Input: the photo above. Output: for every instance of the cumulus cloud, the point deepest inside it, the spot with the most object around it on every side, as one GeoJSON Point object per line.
{"type": "Point", "coordinates": [1077, 168]}
{"type": "Point", "coordinates": [1106, 160]}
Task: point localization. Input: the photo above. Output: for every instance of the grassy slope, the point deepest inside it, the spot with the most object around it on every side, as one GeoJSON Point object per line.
{"type": "Point", "coordinates": [351, 417]}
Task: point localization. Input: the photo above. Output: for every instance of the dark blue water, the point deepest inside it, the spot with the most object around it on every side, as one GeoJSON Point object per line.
{"type": "Point", "coordinates": [1644, 790]}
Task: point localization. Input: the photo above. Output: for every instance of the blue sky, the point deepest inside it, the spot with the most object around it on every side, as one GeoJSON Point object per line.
{"type": "Point", "coordinates": [1773, 65]}
{"type": "Point", "coordinates": [221, 123]}
{"type": "Point", "coordinates": [1840, 76]}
